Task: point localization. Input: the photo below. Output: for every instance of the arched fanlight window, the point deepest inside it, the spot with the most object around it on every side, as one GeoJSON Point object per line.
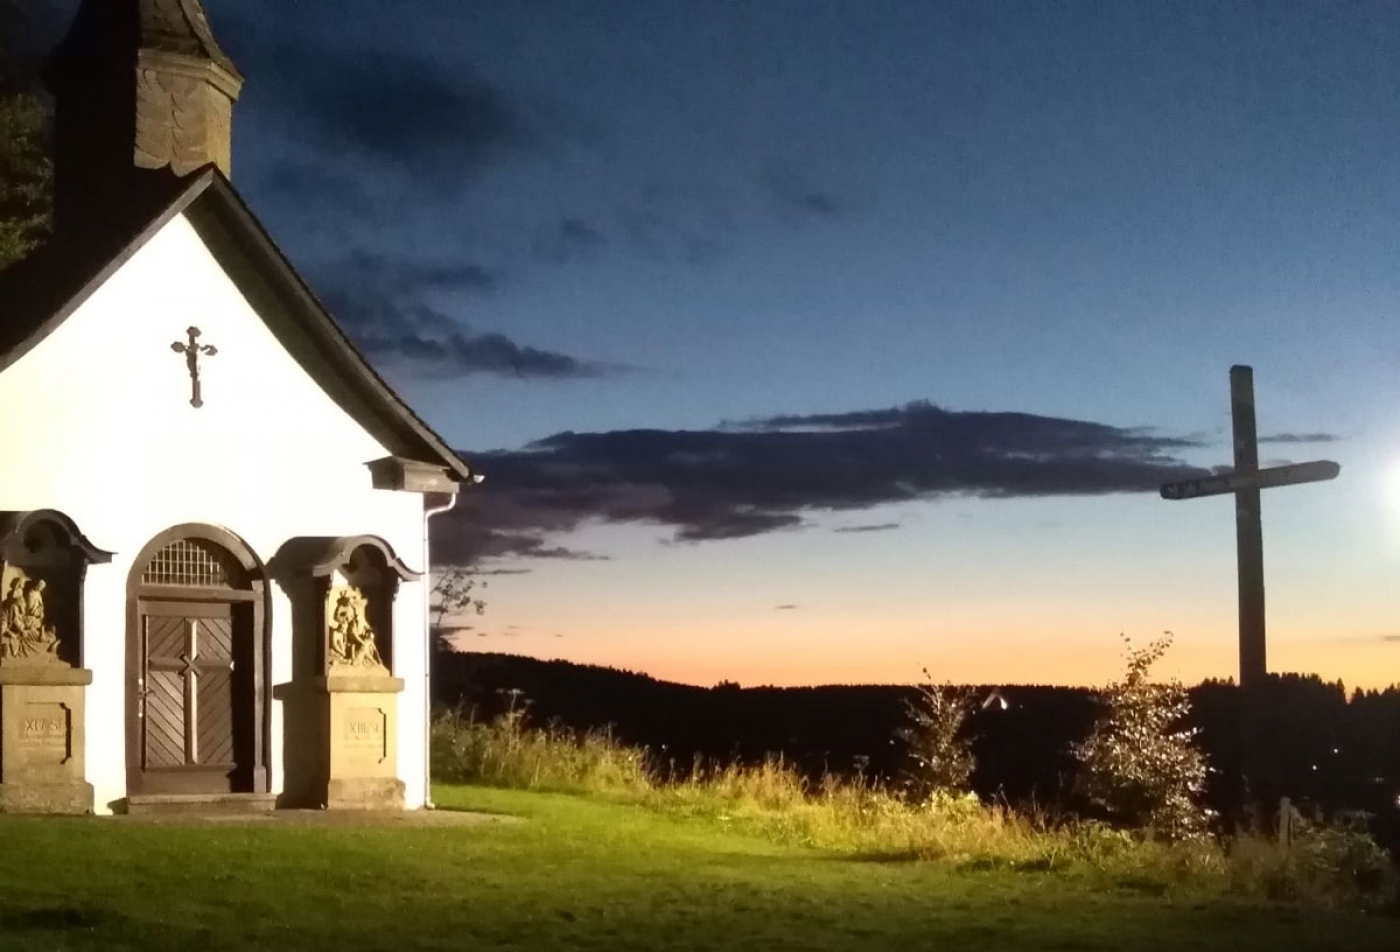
{"type": "Point", "coordinates": [194, 563]}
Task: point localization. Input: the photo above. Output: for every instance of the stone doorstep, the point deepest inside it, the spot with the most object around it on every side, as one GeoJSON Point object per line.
{"type": "Point", "coordinates": [201, 804]}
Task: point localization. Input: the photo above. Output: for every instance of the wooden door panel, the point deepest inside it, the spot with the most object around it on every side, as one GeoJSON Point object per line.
{"type": "Point", "coordinates": [214, 720]}
{"type": "Point", "coordinates": [189, 703]}
{"type": "Point", "coordinates": [166, 638]}
{"type": "Point", "coordinates": [216, 640]}
{"type": "Point", "coordinates": [213, 690]}
{"type": "Point", "coordinates": [165, 720]}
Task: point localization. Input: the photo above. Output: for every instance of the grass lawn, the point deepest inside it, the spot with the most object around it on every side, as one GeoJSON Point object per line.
{"type": "Point", "coordinates": [579, 873]}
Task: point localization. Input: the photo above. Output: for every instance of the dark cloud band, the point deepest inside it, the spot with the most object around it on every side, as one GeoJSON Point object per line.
{"type": "Point", "coordinates": [770, 475]}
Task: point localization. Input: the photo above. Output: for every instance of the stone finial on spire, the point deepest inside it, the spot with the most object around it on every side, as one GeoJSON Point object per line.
{"type": "Point", "coordinates": [138, 85]}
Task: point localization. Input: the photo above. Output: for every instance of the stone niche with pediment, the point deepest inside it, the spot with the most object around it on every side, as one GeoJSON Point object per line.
{"type": "Point", "coordinates": [342, 702]}
{"type": "Point", "coordinates": [43, 564]}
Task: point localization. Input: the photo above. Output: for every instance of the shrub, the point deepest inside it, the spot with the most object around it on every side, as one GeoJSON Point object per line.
{"type": "Point", "coordinates": [1331, 864]}
{"type": "Point", "coordinates": [1139, 766]}
{"type": "Point", "coordinates": [938, 754]}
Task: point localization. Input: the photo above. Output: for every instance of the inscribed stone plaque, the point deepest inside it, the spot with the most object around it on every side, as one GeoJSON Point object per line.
{"type": "Point", "coordinates": [45, 731]}
{"type": "Point", "coordinates": [366, 736]}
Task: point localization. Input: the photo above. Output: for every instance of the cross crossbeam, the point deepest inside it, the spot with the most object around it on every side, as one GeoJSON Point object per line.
{"type": "Point", "coordinates": [1262, 479]}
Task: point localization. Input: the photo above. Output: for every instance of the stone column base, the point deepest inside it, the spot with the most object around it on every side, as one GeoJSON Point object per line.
{"type": "Point", "coordinates": [365, 793]}
{"type": "Point", "coordinates": [362, 717]}
{"type": "Point", "coordinates": [41, 738]}
{"type": "Point", "coordinates": [70, 798]}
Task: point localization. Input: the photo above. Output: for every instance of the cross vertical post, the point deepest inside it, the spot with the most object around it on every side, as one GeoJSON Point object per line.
{"type": "Point", "coordinates": [1249, 531]}
{"type": "Point", "coordinates": [1255, 761]}
{"type": "Point", "coordinates": [1245, 482]}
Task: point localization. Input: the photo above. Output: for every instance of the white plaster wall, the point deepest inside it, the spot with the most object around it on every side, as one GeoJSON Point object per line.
{"type": "Point", "coordinates": [97, 423]}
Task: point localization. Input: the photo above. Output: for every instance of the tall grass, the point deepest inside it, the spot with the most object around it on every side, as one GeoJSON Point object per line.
{"type": "Point", "coordinates": [507, 753]}
{"type": "Point", "coordinates": [1324, 866]}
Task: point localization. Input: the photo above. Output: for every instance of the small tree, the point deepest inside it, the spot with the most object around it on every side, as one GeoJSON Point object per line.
{"type": "Point", "coordinates": [26, 177]}
{"type": "Point", "coordinates": [938, 755]}
{"type": "Point", "coordinates": [1139, 764]}
{"type": "Point", "coordinates": [456, 592]}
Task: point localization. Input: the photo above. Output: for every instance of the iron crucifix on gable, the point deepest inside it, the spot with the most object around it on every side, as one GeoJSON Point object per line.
{"type": "Point", "coordinates": [192, 352]}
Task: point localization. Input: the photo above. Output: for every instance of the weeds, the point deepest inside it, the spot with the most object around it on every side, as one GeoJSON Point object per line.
{"type": "Point", "coordinates": [506, 753]}
{"type": "Point", "coordinates": [868, 821]}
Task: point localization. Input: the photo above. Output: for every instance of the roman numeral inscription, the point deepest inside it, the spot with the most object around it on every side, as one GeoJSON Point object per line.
{"type": "Point", "coordinates": [44, 730]}
{"type": "Point", "coordinates": [364, 734]}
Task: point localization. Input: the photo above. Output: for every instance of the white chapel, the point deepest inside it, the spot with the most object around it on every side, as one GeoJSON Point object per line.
{"type": "Point", "coordinates": [213, 512]}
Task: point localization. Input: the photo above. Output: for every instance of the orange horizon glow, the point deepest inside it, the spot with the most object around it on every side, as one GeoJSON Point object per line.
{"type": "Point", "coordinates": [1365, 663]}
{"type": "Point", "coordinates": [1000, 603]}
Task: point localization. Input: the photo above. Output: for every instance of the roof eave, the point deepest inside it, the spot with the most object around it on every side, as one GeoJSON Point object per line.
{"type": "Point", "coordinates": [250, 234]}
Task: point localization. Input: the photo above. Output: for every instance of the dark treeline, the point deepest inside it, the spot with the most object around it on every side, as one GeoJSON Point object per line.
{"type": "Point", "coordinates": [1334, 752]}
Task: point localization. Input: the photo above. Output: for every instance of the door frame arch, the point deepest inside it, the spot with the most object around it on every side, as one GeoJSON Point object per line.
{"type": "Point", "coordinates": [254, 593]}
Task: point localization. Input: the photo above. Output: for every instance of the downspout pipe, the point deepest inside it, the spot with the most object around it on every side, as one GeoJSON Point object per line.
{"type": "Point", "coordinates": [433, 504]}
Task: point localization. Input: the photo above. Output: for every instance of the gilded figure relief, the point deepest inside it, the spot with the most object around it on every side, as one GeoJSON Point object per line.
{"type": "Point", "coordinates": [351, 639]}
{"type": "Point", "coordinates": [24, 629]}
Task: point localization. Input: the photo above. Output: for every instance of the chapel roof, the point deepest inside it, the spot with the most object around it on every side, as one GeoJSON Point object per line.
{"type": "Point", "coordinates": [180, 27]}
{"type": "Point", "coordinates": [40, 292]}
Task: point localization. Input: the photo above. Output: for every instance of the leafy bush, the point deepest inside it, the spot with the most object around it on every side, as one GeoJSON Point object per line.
{"type": "Point", "coordinates": [1139, 766]}
{"type": "Point", "coordinates": [1332, 864]}
{"type": "Point", "coordinates": [938, 752]}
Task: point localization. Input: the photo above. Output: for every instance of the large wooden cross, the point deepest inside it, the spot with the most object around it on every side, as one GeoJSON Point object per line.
{"type": "Point", "coordinates": [1245, 482]}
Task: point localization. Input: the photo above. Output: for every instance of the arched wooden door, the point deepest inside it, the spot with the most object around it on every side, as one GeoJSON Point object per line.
{"type": "Point", "coordinates": [195, 657]}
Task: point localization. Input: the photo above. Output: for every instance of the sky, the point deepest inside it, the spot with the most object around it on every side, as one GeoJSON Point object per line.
{"type": "Point", "coordinates": [829, 341]}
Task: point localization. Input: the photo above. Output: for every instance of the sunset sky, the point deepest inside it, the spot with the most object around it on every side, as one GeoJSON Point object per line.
{"type": "Point", "coordinates": [806, 341]}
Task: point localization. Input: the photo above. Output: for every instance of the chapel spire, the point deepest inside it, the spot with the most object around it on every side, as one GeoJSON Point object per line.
{"type": "Point", "coordinates": [139, 86]}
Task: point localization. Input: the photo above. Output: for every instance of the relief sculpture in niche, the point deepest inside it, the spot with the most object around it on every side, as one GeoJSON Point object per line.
{"type": "Point", "coordinates": [352, 641]}
{"type": "Point", "coordinates": [24, 629]}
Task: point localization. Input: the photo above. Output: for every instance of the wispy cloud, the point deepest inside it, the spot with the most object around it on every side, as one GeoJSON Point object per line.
{"type": "Point", "coordinates": [1300, 438]}
{"type": "Point", "coordinates": [459, 354]}
{"type": "Point", "coordinates": [403, 111]}
{"type": "Point", "coordinates": [567, 240]}
{"type": "Point", "coordinates": [392, 308]}
{"type": "Point", "coordinates": [425, 138]}
{"type": "Point", "coordinates": [795, 195]}
{"type": "Point", "coordinates": [878, 527]}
